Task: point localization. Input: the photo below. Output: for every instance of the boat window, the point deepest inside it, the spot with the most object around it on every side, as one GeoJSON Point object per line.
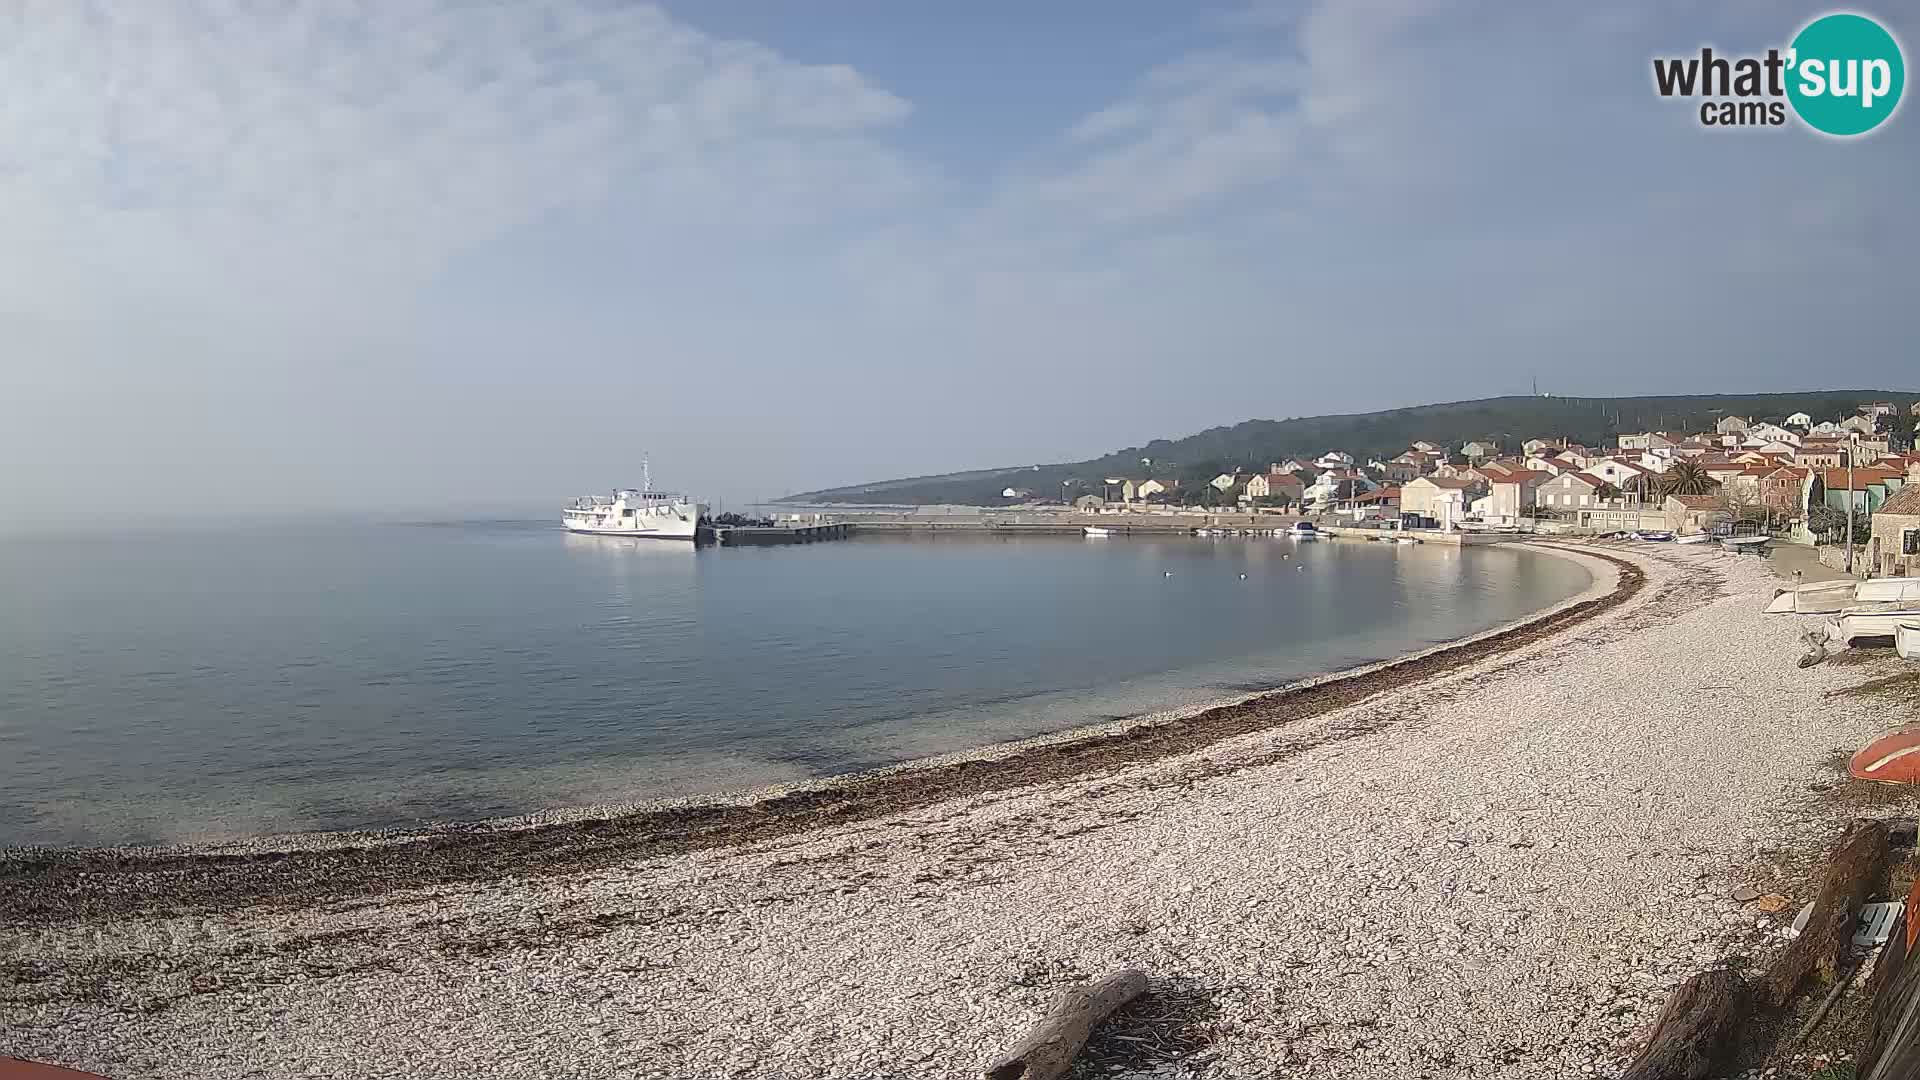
{"type": "Point", "coordinates": [628, 512]}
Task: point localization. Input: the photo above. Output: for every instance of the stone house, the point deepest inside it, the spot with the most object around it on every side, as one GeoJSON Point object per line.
{"type": "Point", "coordinates": [1894, 549]}
{"type": "Point", "coordinates": [1694, 513]}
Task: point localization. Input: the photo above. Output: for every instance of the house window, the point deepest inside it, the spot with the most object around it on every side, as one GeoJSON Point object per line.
{"type": "Point", "coordinates": [1910, 541]}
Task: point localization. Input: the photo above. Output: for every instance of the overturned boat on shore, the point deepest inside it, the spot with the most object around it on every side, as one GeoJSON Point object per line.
{"type": "Point", "coordinates": [1814, 598]}
{"type": "Point", "coordinates": [1880, 620]}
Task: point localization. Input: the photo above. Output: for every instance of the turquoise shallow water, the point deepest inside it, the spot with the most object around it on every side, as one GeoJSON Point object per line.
{"type": "Point", "coordinates": [191, 686]}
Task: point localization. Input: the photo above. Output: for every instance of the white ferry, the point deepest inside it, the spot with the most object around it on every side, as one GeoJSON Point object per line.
{"type": "Point", "coordinates": [641, 511]}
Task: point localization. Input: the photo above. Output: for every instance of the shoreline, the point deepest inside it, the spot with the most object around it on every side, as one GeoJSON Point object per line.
{"type": "Point", "coordinates": [1502, 868]}
{"type": "Point", "coordinates": [41, 885]}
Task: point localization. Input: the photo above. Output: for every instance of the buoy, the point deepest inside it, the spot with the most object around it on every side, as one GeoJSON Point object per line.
{"type": "Point", "coordinates": [1302, 569]}
{"type": "Point", "coordinates": [1166, 573]}
{"type": "Point", "coordinates": [1243, 577]}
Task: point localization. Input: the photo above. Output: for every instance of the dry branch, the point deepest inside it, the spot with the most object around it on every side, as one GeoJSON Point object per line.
{"type": "Point", "coordinates": [1047, 1051]}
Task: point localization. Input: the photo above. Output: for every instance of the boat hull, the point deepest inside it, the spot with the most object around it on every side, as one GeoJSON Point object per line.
{"type": "Point", "coordinates": [1870, 621]}
{"type": "Point", "coordinates": [1906, 640]}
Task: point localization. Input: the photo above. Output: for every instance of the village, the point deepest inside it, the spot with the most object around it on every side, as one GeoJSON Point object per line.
{"type": "Point", "coordinates": [1796, 478]}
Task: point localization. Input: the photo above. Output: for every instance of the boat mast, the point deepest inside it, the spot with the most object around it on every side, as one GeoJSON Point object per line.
{"type": "Point", "coordinates": [646, 475]}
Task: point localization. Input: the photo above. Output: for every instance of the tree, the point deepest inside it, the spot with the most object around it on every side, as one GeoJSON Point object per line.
{"type": "Point", "coordinates": [1685, 478]}
{"type": "Point", "coordinates": [1606, 492]}
{"type": "Point", "coordinates": [1830, 523]}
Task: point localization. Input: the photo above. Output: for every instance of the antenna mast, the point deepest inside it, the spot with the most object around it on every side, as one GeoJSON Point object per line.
{"type": "Point", "coordinates": [646, 474]}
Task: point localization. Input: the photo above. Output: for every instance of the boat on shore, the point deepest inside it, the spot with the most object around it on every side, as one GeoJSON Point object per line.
{"type": "Point", "coordinates": [638, 512]}
{"type": "Point", "coordinates": [1888, 590]}
{"type": "Point", "coordinates": [1813, 598]}
{"type": "Point", "coordinates": [1906, 639]}
{"type": "Point", "coordinates": [1692, 538]}
{"type": "Point", "coordinates": [1094, 530]}
{"type": "Point", "coordinates": [1746, 544]}
{"type": "Point", "coordinates": [1870, 621]}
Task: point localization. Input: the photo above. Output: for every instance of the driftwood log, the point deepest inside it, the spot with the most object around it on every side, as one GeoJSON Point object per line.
{"type": "Point", "coordinates": [1853, 873]}
{"type": "Point", "coordinates": [1047, 1051]}
{"type": "Point", "coordinates": [1692, 1030]}
{"type": "Point", "coordinates": [1691, 1035]}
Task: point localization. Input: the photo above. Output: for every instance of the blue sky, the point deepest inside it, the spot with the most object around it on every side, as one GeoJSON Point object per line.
{"type": "Point", "coordinates": [483, 255]}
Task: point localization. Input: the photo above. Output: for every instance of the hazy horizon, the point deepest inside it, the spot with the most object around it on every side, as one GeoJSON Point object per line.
{"type": "Point", "coordinates": [419, 259]}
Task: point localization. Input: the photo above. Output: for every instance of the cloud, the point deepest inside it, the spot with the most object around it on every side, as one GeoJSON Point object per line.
{"type": "Point", "coordinates": [194, 148]}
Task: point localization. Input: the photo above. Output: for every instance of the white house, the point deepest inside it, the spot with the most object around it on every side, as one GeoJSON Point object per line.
{"type": "Point", "coordinates": [1427, 448]}
{"type": "Point", "coordinates": [1645, 440]}
{"type": "Point", "coordinates": [1861, 424]}
{"type": "Point", "coordinates": [1016, 493]}
{"type": "Point", "coordinates": [1655, 461]}
{"type": "Point", "coordinates": [1335, 484]}
{"type": "Point", "coordinates": [1553, 465]}
{"type": "Point", "coordinates": [1826, 429]}
{"type": "Point", "coordinates": [1333, 459]}
{"type": "Point", "coordinates": [1534, 446]}
{"type": "Point", "coordinates": [1569, 491]}
{"type": "Point", "coordinates": [1149, 487]}
{"type": "Point", "coordinates": [1511, 494]}
{"type": "Point", "coordinates": [1226, 481]}
{"type": "Point", "coordinates": [1731, 424]}
{"type": "Point", "coordinates": [1767, 433]}
{"type": "Point", "coordinates": [1621, 473]}
{"type": "Point", "coordinates": [1442, 498]}
{"type": "Point", "coordinates": [1800, 420]}
{"type": "Point", "coordinates": [1479, 448]}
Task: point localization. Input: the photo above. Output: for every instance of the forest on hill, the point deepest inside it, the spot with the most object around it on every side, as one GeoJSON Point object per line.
{"type": "Point", "coordinates": [1253, 444]}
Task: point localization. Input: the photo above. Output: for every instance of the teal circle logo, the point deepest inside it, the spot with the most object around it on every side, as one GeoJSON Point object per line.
{"type": "Point", "coordinates": [1845, 74]}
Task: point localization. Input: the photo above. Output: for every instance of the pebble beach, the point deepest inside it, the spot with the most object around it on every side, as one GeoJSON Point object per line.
{"type": "Point", "coordinates": [1497, 870]}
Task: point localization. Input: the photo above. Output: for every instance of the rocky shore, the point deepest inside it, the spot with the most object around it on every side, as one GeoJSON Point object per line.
{"type": "Point", "coordinates": [1490, 860]}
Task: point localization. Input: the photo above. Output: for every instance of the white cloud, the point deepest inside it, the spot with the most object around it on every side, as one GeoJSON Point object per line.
{"type": "Point", "coordinates": [187, 149]}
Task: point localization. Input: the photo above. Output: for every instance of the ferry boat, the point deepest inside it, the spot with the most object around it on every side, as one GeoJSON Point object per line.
{"type": "Point", "coordinates": [642, 511]}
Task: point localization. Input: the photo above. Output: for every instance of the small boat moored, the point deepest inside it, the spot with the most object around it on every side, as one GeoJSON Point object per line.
{"type": "Point", "coordinates": [1748, 544]}
{"type": "Point", "coordinates": [1303, 530]}
{"type": "Point", "coordinates": [1094, 530]}
{"type": "Point", "coordinates": [1692, 538]}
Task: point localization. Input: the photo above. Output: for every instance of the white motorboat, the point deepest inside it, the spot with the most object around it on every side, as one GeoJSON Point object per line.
{"type": "Point", "coordinates": [1692, 538]}
{"type": "Point", "coordinates": [639, 512]}
{"type": "Point", "coordinates": [1870, 621]}
{"type": "Point", "coordinates": [1906, 639]}
{"type": "Point", "coordinates": [1406, 539]}
{"type": "Point", "coordinates": [1303, 530]}
{"type": "Point", "coordinates": [1813, 598]}
{"type": "Point", "coordinates": [1748, 544]}
{"type": "Point", "coordinates": [1888, 590]}
{"type": "Point", "coordinates": [1094, 530]}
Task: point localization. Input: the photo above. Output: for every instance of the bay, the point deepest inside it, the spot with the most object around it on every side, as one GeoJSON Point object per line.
{"type": "Point", "coordinates": [192, 686]}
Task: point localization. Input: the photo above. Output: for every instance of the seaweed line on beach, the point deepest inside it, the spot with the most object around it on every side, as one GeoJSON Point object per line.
{"type": "Point", "coordinates": [51, 888]}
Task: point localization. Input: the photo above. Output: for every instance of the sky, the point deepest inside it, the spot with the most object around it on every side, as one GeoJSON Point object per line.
{"type": "Point", "coordinates": [425, 258]}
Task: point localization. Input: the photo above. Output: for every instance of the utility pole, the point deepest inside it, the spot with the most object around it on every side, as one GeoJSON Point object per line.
{"type": "Point", "coordinates": [1853, 445]}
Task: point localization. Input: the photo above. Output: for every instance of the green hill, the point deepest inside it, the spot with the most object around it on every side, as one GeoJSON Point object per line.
{"type": "Point", "coordinates": [1253, 444]}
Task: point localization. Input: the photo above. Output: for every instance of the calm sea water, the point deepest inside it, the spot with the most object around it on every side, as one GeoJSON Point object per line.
{"type": "Point", "coordinates": [173, 686]}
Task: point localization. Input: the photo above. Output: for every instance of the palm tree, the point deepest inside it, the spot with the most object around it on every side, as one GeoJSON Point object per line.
{"type": "Point", "coordinates": [1606, 492]}
{"type": "Point", "coordinates": [1685, 478]}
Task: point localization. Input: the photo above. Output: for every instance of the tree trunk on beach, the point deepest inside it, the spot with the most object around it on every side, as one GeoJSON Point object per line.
{"type": "Point", "coordinates": [1047, 1051]}
{"type": "Point", "coordinates": [1852, 874]}
{"type": "Point", "coordinates": [1692, 1030]}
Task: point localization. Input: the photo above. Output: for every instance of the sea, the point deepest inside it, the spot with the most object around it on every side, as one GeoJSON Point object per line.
{"type": "Point", "coordinates": [193, 686]}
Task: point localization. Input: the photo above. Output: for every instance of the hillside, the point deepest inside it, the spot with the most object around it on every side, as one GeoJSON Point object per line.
{"type": "Point", "coordinates": [1255, 443]}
